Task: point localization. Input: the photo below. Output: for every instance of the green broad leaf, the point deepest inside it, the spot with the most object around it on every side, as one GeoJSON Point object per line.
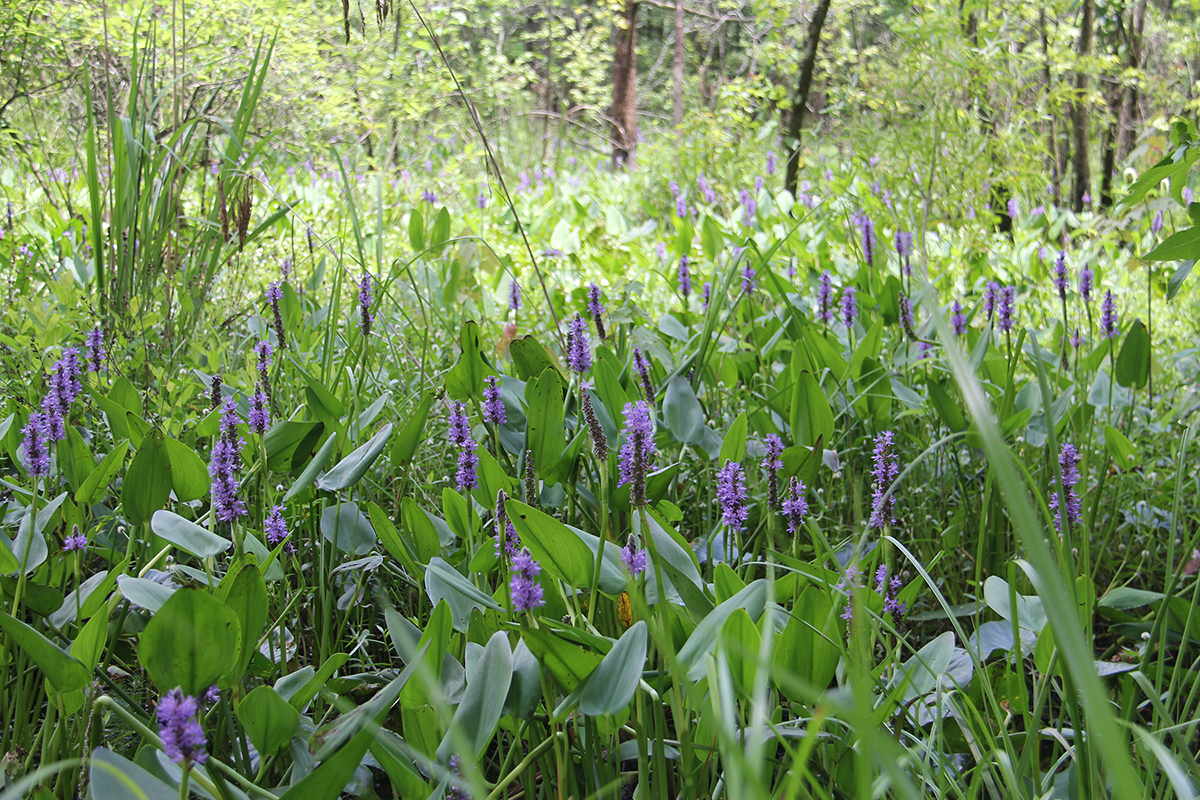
{"type": "Point", "coordinates": [65, 673]}
{"type": "Point", "coordinates": [567, 662]}
{"type": "Point", "coordinates": [733, 447]}
{"type": "Point", "coordinates": [525, 691]}
{"type": "Point", "coordinates": [492, 479]}
{"type": "Point", "coordinates": [144, 592]}
{"type": "Point", "coordinates": [1181, 246]}
{"type": "Point", "coordinates": [690, 658]}
{"type": "Point", "coordinates": [126, 394]}
{"type": "Point", "coordinates": [320, 399]}
{"type": "Point", "coordinates": [544, 420]}
{"type": "Point", "coordinates": [1031, 616]}
{"type": "Point", "coordinates": [444, 582]}
{"type": "Point", "coordinates": [712, 239]}
{"type": "Point", "coordinates": [556, 548]}
{"type": "Point", "coordinates": [147, 483]}
{"type": "Point", "coordinates": [9, 563]}
{"type": "Point", "coordinates": [268, 719]}
{"type": "Point", "coordinates": [433, 641]}
{"type": "Point", "coordinates": [114, 777]}
{"type": "Point", "coordinates": [138, 428]}
{"type": "Point", "coordinates": [189, 473]}
{"type": "Point", "coordinates": [1181, 274]}
{"type": "Point", "coordinates": [29, 549]}
{"type": "Point", "coordinates": [347, 528]}
{"type": "Point", "coordinates": [114, 413]}
{"type": "Point", "coordinates": [244, 590]}
{"type": "Point", "coordinates": [439, 234]}
{"type": "Point", "coordinates": [1124, 597]}
{"type": "Point", "coordinates": [1119, 447]}
{"type": "Point", "coordinates": [385, 529]}
{"type": "Point", "coordinates": [312, 470]}
{"type": "Point", "coordinates": [682, 412]}
{"type": "Point", "coordinates": [350, 469]}
{"type": "Point", "coordinates": [303, 693]}
{"type": "Point", "coordinates": [612, 684]}
{"type": "Point", "coordinates": [465, 379]}
{"type": "Point", "coordinates": [191, 642]}
{"type": "Point", "coordinates": [75, 458]}
{"type": "Point", "coordinates": [187, 535]}
{"type": "Point", "coordinates": [102, 582]}
{"type": "Point", "coordinates": [89, 643]}
{"type": "Point", "coordinates": [289, 444]}
{"type": "Point", "coordinates": [421, 530]}
{"type": "Point", "coordinates": [477, 715]}
{"type": "Point", "coordinates": [741, 642]}
{"type": "Point", "coordinates": [614, 579]}
{"type": "Point", "coordinates": [97, 484]}
{"type": "Point", "coordinates": [531, 358]}
{"type": "Point", "coordinates": [1133, 361]}
{"type": "Point", "coordinates": [806, 654]}
{"type": "Point", "coordinates": [811, 417]}
{"type": "Point", "coordinates": [950, 413]}
{"type": "Point", "coordinates": [416, 230]}
{"type": "Point", "coordinates": [405, 443]}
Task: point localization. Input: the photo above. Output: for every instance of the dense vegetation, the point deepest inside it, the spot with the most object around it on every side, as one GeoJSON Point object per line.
{"type": "Point", "coordinates": [438, 401]}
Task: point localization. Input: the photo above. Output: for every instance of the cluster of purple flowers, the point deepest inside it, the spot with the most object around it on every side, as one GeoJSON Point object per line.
{"type": "Point", "coordinates": [95, 347]}
{"type": "Point", "coordinates": [904, 249]}
{"type": "Point", "coordinates": [705, 295]}
{"type": "Point", "coordinates": [1108, 315]}
{"type": "Point", "coordinates": [731, 494]}
{"type": "Point", "coordinates": [907, 322]}
{"type": "Point", "coordinates": [772, 463]}
{"type": "Point", "coordinates": [685, 278]}
{"type": "Point", "coordinates": [749, 206]}
{"type": "Point", "coordinates": [466, 477]}
{"type": "Point", "coordinates": [710, 195]}
{"type": "Point", "coordinates": [771, 163]}
{"type": "Point", "coordinates": [633, 557]}
{"type": "Point", "coordinates": [429, 196]}
{"type": "Point", "coordinates": [748, 276]}
{"type": "Point", "coordinates": [524, 588]}
{"type": "Point", "coordinates": [866, 230]}
{"type": "Point", "coordinates": [795, 505]}
{"type": "Point", "coordinates": [1068, 463]}
{"type": "Point", "coordinates": [846, 586]}
{"type": "Point", "coordinates": [883, 504]}
{"type": "Point", "coordinates": [958, 319]}
{"type": "Point", "coordinates": [76, 541]}
{"type": "Point", "coordinates": [274, 296]}
{"type": "Point", "coordinates": [641, 365]}
{"type": "Point", "coordinates": [990, 297]}
{"type": "Point", "coordinates": [514, 296]}
{"type": "Point", "coordinates": [1087, 281]}
{"type": "Point", "coordinates": [49, 425]}
{"type": "Point", "coordinates": [1008, 303]}
{"type": "Point", "coordinates": [224, 465]}
{"type": "Point", "coordinates": [276, 530]}
{"type": "Point", "coordinates": [595, 310]}
{"type": "Point", "coordinates": [637, 451]}
{"type": "Point", "coordinates": [1157, 224]}
{"type": "Point", "coordinates": [1061, 281]}
{"type": "Point", "coordinates": [849, 306]}
{"type": "Point", "coordinates": [364, 304]}
{"type": "Point", "coordinates": [493, 402]}
{"type": "Point", "coordinates": [579, 354]}
{"type": "Point", "coordinates": [181, 734]}
{"type": "Point", "coordinates": [887, 589]}
{"type": "Point", "coordinates": [825, 298]}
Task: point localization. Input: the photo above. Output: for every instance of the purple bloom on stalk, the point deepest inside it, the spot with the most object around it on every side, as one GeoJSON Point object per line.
{"type": "Point", "coordinates": [825, 298]}
{"type": "Point", "coordinates": [260, 412]}
{"type": "Point", "coordinates": [262, 355]}
{"type": "Point", "coordinates": [795, 506]}
{"type": "Point", "coordinates": [1108, 315]}
{"type": "Point", "coordinates": [771, 163]}
{"type": "Point", "coordinates": [958, 319]}
{"type": "Point", "coordinates": [481, 201]}
{"type": "Point", "coordinates": [705, 295]}
{"type": "Point", "coordinates": [846, 586]}
{"type": "Point", "coordinates": [1157, 225]}
{"type": "Point", "coordinates": [907, 322]}
{"type": "Point", "coordinates": [65, 384]}
{"type": "Point", "coordinates": [493, 402]}
{"type": "Point", "coordinates": [633, 557]}
{"type": "Point", "coordinates": [1008, 303]}
{"type": "Point", "coordinates": [1076, 339]}
{"type": "Point", "coordinates": [276, 530]}
{"type": "Point", "coordinates": [95, 347]}
{"type": "Point", "coordinates": [887, 590]}
{"type": "Point", "coordinates": [772, 463]}
{"type": "Point", "coordinates": [274, 291]}
{"type": "Point", "coordinates": [849, 306]}
{"type": "Point", "coordinates": [749, 206]}
{"type": "Point", "coordinates": [1068, 463]}
{"type": "Point", "coordinates": [1014, 210]}
{"type": "Point", "coordinates": [731, 494]}
{"type": "Point", "coordinates": [524, 588]}
{"type": "Point", "coordinates": [710, 195]}
{"type": "Point", "coordinates": [748, 274]}
{"type": "Point", "coordinates": [466, 476]}
{"type": "Point", "coordinates": [181, 734]}
{"type": "Point", "coordinates": [224, 465]}
{"type": "Point", "coordinates": [681, 209]}
{"type": "Point", "coordinates": [510, 544]}
{"type": "Point", "coordinates": [883, 505]}
{"type": "Point", "coordinates": [429, 196]}
{"type": "Point", "coordinates": [1086, 282]}
{"type": "Point", "coordinates": [1060, 275]}
{"type": "Point", "coordinates": [514, 296]}
{"type": "Point", "coordinates": [674, 187]}
{"type": "Point", "coordinates": [990, 297]}
{"type": "Point", "coordinates": [685, 278]}
{"type": "Point", "coordinates": [579, 355]}
{"type": "Point", "coordinates": [595, 309]}
{"type": "Point", "coordinates": [364, 304]}
{"type": "Point", "coordinates": [75, 542]}
{"type": "Point", "coordinates": [637, 451]}
{"type": "Point", "coordinates": [758, 184]}
{"type": "Point", "coordinates": [904, 249]}
{"type": "Point", "coordinates": [53, 425]}
{"type": "Point", "coordinates": [924, 349]}
{"type": "Point", "coordinates": [866, 230]}
{"type": "Point", "coordinates": [641, 364]}
{"type": "Point", "coordinates": [460, 426]}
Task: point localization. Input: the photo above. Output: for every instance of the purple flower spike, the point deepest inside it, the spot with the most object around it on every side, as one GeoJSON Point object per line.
{"type": "Point", "coordinates": [95, 347]}
{"type": "Point", "coordinates": [771, 163]}
{"type": "Point", "coordinates": [795, 506]}
{"type": "Point", "coordinates": [633, 558]}
{"type": "Point", "coordinates": [825, 298]}
{"type": "Point", "coordinates": [884, 474]}
{"type": "Point", "coordinates": [1157, 225]}
{"type": "Point", "coordinates": [685, 278]}
{"type": "Point", "coordinates": [579, 354]}
{"type": "Point", "coordinates": [76, 542]}
{"type": "Point", "coordinates": [181, 734]}
{"type": "Point", "coordinates": [749, 206]}
{"type": "Point", "coordinates": [364, 304]}
{"type": "Point", "coordinates": [460, 426]}
{"type": "Point", "coordinates": [1060, 275]}
{"type": "Point", "coordinates": [260, 413]}
{"type": "Point", "coordinates": [524, 588]}
{"type": "Point", "coordinates": [641, 364]}
{"type": "Point", "coordinates": [224, 465]}
{"type": "Point", "coordinates": [1108, 315]}
{"type": "Point", "coordinates": [595, 310]}
{"type": "Point", "coordinates": [276, 530]}
{"type": "Point", "coordinates": [1008, 302]}
{"type": "Point", "coordinates": [748, 275]}
{"type": "Point", "coordinates": [493, 402]}
{"type": "Point", "coordinates": [866, 229]}
{"type": "Point", "coordinates": [1068, 463]}
{"type": "Point", "coordinates": [772, 463]}
{"type": "Point", "coordinates": [705, 295]}
{"type": "Point", "coordinates": [849, 306]}
{"type": "Point", "coordinates": [731, 494]}
{"type": "Point", "coordinates": [958, 319]}
{"type": "Point", "coordinates": [514, 296]}
{"type": "Point", "coordinates": [637, 451]}
{"type": "Point", "coordinates": [1086, 283]}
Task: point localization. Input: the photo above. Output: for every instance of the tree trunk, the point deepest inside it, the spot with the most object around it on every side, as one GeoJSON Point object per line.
{"type": "Point", "coordinates": [1055, 157]}
{"type": "Point", "coordinates": [677, 68]}
{"type": "Point", "coordinates": [800, 102]}
{"type": "Point", "coordinates": [1079, 113]}
{"type": "Point", "coordinates": [1130, 119]}
{"type": "Point", "coordinates": [624, 110]}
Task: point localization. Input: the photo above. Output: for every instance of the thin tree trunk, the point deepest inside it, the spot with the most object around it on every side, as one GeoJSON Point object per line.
{"type": "Point", "coordinates": [1129, 109]}
{"type": "Point", "coordinates": [803, 85]}
{"type": "Point", "coordinates": [1054, 155]}
{"type": "Point", "coordinates": [624, 110]}
{"type": "Point", "coordinates": [677, 69]}
{"type": "Point", "coordinates": [1079, 112]}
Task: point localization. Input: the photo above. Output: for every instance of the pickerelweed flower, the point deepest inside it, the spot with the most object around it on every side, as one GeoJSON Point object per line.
{"type": "Point", "coordinates": [771, 163]}
{"type": "Point", "coordinates": [849, 306]}
{"type": "Point", "coordinates": [274, 296]}
{"type": "Point", "coordinates": [748, 275]}
{"type": "Point", "coordinates": [795, 505]}
{"type": "Point", "coordinates": [1014, 210]}
{"type": "Point", "coordinates": [455, 790]}
{"type": "Point", "coordinates": [904, 249]}
{"type": "Point", "coordinates": [181, 734]}
{"type": "Point", "coordinates": [514, 295]}
{"type": "Point", "coordinates": [883, 504]}
{"type": "Point", "coordinates": [364, 304]}
{"type": "Point", "coordinates": [641, 365]}
{"type": "Point", "coordinates": [595, 309]}
{"type": "Point", "coordinates": [429, 196]}
{"type": "Point", "coordinates": [493, 402]}
{"type": "Point", "coordinates": [906, 316]}
{"type": "Point", "coordinates": [1008, 305]}
{"type": "Point", "coordinates": [75, 542]}
{"type": "Point", "coordinates": [65, 383]}
{"type": "Point", "coordinates": [214, 392]}
{"type": "Point", "coordinates": [466, 476]}
{"type": "Point", "coordinates": [637, 451]}
{"type": "Point", "coordinates": [35, 445]}
{"type": "Point", "coordinates": [276, 530]}
{"type": "Point", "coordinates": [866, 231]}
{"type": "Point", "coordinates": [685, 278]}
{"type": "Point", "coordinates": [681, 209]}
{"type": "Point", "coordinates": [990, 297]}
{"type": "Point", "coordinates": [599, 438]}
{"type": "Point", "coordinates": [260, 412]}
{"type": "Point", "coordinates": [633, 557]}
{"type": "Point", "coordinates": [1060, 275]}
{"type": "Point", "coordinates": [1108, 315]}
{"type": "Point", "coordinates": [825, 298]}
{"type": "Point", "coordinates": [705, 295]}
{"type": "Point", "coordinates": [95, 347]}
{"type": "Point", "coordinates": [1068, 463]}
{"type": "Point", "coordinates": [749, 206]}
{"type": "Point", "coordinates": [1076, 339]}
{"type": "Point", "coordinates": [887, 589]}
{"type": "Point", "coordinates": [772, 450]}
{"type": "Point", "coordinates": [673, 186]}
{"type": "Point", "coordinates": [1086, 284]}
{"type": "Point", "coordinates": [758, 184]}
{"type": "Point", "coordinates": [579, 354]}
{"type": "Point", "coordinates": [958, 319]}
{"type": "Point", "coordinates": [1157, 224]}
{"type": "Point", "coordinates": [846, 586]}
{"type": "Point", "coordinates": [530, 480]}
{"type": "Point", "coordinates": [508, 541]}
{"type": "Point", "coordinates": [710, 195]}
{"type": "Point", "coordinates": [524, 588]}
{"type": "Point", "coordinates": [731, 494]}
{"type": "Point", "coordinates": [224, 465]}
